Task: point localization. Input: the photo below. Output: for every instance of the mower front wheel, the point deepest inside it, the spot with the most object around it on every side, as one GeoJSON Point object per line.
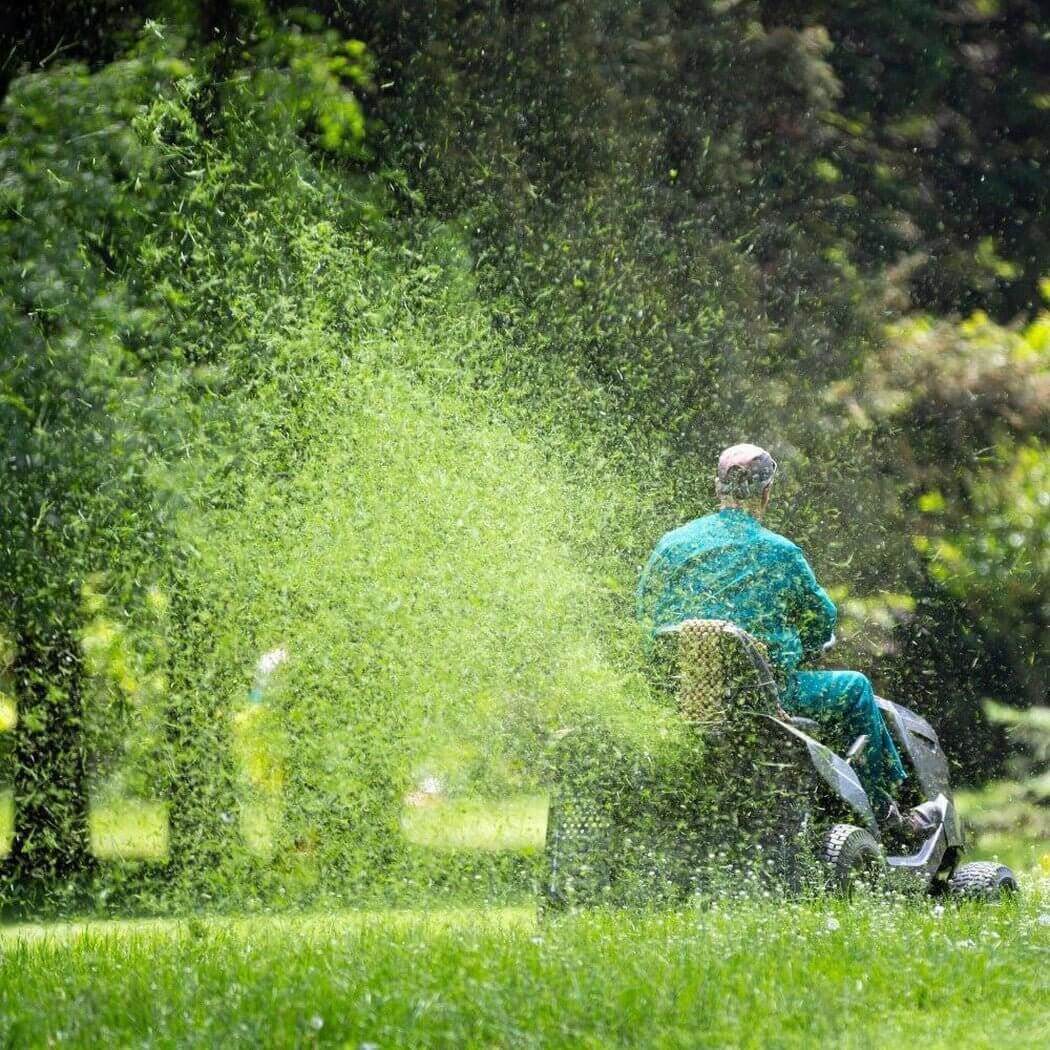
{"type": "Point", "coordinates": [851, 858]}
{"type": "Point", "coordinates": [983, 880]}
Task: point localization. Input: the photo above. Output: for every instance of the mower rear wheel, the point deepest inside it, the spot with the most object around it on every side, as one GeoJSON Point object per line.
{"type": "Point", "coordinates": [983, 880]}
{"type": "Point", "coordinates": [578, 852]}
{"type": "Point", "coordinates": [852, 858]}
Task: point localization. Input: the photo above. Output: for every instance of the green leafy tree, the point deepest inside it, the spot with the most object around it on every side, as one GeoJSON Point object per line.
{"type": "Point", "coordinates": [109, 196]}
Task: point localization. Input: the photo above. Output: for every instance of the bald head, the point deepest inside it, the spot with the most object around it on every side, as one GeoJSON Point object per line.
{"type": "Point", "coordinates": [745, 473]}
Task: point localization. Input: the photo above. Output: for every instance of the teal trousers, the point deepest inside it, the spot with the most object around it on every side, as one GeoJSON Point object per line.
{"type": "Point", "coordinates": [843, 703]}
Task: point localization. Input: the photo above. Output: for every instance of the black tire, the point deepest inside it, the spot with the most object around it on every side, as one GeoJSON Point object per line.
{"type": "Point", "coordinates": [983, 880]}
{"type": "Point", "coordinates": [851, 858]}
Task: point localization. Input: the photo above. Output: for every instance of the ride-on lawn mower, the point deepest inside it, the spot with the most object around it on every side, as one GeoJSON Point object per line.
{"type": "Point", "coordinates": [741, 796]}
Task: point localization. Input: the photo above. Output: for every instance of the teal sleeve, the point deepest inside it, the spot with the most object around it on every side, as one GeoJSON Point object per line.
{"type": "Point", "coordinates": [815, 613]}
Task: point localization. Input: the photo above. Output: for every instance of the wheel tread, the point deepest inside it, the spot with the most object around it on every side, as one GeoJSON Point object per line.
{"type": "Point", "coordinates": [835, 841]}
{"type": "Point", "coordinates": [982, 878]}
{"type": "Point", "coordinates": [842, 847]}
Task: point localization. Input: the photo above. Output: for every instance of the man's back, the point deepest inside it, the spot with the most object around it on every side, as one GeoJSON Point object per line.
{"type": "Point", "coordinates": [726, 566]}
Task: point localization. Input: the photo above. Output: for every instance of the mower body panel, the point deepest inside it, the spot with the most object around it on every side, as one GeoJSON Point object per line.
{"type": "Point", "coordinates": [918, 740]}
{"type": "Point", "coordinates": [929, 860]}
{"type": "Point", "coordinates": [837, 773]}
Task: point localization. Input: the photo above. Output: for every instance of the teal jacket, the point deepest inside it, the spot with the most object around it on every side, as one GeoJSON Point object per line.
{"type": "Point", "coordinates": [726, 566]}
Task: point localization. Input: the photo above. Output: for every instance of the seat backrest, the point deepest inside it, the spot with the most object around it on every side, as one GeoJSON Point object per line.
{"type": "Point", "coordinates": [718, 669]}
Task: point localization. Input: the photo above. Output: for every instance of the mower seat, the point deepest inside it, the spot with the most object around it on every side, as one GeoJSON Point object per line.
{"type": "Point", "coordinates": [714, 670]}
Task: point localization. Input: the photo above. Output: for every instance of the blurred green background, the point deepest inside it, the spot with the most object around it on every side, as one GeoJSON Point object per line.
{"type": "Point", "coordinates": [391, 338]}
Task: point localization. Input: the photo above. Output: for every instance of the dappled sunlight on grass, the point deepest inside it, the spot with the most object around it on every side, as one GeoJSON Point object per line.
{"type": "Point", "coordinates": [7, 821]}
{"type": "Point", "coordinates": [1019, 853]}
{"type": "Point", "coordinates": [129, 829]}
{"type": "Point", "coordinates": [8, 713]}
{"type": "Point", "coordinates": [1002, 827]}
{"type": "Point", "coordinates": [517, 823]}
{"type": "Point", "coordinates": [309, 924]}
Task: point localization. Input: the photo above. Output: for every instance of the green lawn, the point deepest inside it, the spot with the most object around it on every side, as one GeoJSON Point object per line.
{"type": "Point", "coordinates": [747, 973]}
{"type": "Point", "coordinates": [877, 972]}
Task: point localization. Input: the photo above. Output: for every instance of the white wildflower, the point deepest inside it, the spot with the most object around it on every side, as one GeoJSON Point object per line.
{"type": "Point", "coordinates": [269, 662]}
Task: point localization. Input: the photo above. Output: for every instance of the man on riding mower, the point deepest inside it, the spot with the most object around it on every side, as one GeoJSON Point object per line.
{"type": "Point", "coordinates": [726, 566]}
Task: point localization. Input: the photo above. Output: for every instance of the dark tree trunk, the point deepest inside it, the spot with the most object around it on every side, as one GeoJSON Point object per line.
{"type": "Point", "coordinates": [51, 846]}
